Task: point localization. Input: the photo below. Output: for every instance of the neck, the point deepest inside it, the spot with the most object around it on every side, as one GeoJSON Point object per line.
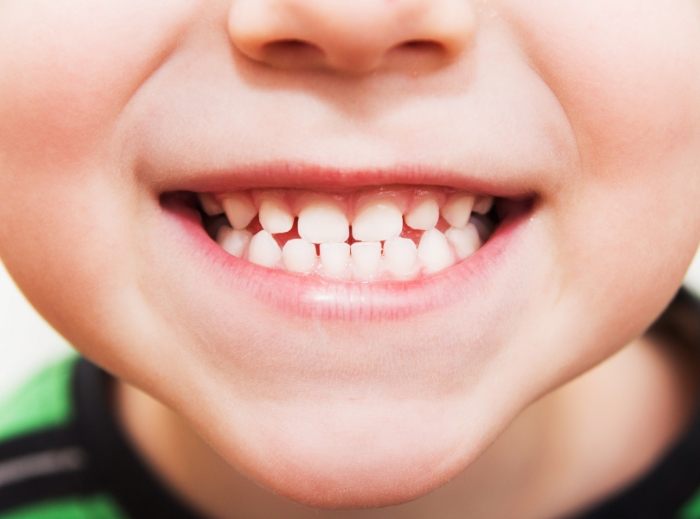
{"type": "Point", "coordinates": [587, 430]}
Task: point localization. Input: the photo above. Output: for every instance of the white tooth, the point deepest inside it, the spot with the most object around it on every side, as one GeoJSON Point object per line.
{"type": "Point", "coordinates": [233, 241]}
{"type": "Point", "coordinates": [322, 220]}
{"type": "Point", "coordinates": [434, 251]}
{"type": "Point", "coordinates": [400, 257]}
{"type": "Point", "coordinates": [335, 259]}
{"type": "Point", "coordinates": [483, 204]}
{"type": "Point", "coordinates": [263, 250]}
{"type": "Point", "coordinates": [240, 209]}
{"type": "Point", "coordinates": [275, 215]}
{"type": "Point", "coordinates": [465, 241]}
{"type": "Point", "coordinates": [210, 204]}
{"type": "Point", "coordinates": [424, 214]}
{"type": "Point", "coordinates": [377, 218]}
{"type": "Point", "coordinates": [457, 209]}
{"type": "Point", "coordinates": [366, 259]}
{"type": "Point", "coordinates": [299, 256]}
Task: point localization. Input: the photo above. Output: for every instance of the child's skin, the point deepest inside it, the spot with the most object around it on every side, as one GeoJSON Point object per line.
{"type": "Point", "coordinates": [593, 107]}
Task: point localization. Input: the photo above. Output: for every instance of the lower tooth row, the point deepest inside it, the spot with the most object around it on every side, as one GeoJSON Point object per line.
{"type": "Point", "coordinates": [398, 258]}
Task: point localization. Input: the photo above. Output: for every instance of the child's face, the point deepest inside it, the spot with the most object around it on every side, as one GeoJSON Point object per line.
{"type": "Point", "coordinates": [342, 392]}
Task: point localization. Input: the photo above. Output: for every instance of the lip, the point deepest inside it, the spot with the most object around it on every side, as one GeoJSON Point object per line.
{"type": "Point", "coordinates": [283, 174]}
{"type": "Point", "coordinates": [314, 297]}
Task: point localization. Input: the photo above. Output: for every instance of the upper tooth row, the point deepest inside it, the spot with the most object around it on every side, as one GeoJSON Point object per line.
{"type": "Point", "coordinates": [324, 218]}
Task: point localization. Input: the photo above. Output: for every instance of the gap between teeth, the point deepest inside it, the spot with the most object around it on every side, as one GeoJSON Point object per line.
{"type": "Point", "coordinates": [381, 234]}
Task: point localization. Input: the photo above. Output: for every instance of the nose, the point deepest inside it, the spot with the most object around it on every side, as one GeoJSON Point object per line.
{"type": "Point", "coordinates": [351, 36]}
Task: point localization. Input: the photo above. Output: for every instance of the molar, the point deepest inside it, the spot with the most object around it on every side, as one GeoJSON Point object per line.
{"type": "Point", "coordinates": [210, 204]}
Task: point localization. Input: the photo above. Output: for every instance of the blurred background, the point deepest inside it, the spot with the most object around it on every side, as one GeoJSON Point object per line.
{"type": "Point", "coordinates": [26, 341]}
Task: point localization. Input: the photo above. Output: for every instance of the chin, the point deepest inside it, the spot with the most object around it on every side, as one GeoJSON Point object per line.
{"type": "Point", "coordinates": [350, 455]}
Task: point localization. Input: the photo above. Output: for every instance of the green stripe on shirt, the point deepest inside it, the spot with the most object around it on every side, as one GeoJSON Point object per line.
{"type": "Point", "coordinates": [95, 507]}
{"type": "Point", "coordinates": [42, 402]}
{"type": "Point", "coordinates": [692, 509]}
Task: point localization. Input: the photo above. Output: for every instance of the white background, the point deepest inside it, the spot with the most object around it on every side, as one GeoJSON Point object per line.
{"type": "Point", "coordinates": [27, 341]}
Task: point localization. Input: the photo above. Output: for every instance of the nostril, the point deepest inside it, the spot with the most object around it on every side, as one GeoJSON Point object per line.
{"type": "Point", "coordinates": [423, 46]}
{"type": "Point", "coordinates": [291, 50]}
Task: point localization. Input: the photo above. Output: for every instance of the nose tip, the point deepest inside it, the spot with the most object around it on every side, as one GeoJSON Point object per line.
{"type": "Point", "coordinates": [350, 36]}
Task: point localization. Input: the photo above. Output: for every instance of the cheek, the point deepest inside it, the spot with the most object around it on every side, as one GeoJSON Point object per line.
{"type": "Point", "coordinates": [70, 67]}
{"type": "Point", "coordinates": [626, 73]}
{"type": "Point", "coordinates": [625, 226]}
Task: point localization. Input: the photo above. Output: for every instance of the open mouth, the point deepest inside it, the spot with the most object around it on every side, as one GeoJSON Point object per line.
{"type": "Point", "coordinates": [317, 242]}
{"type": "Point", "coordinates": [385, 233]}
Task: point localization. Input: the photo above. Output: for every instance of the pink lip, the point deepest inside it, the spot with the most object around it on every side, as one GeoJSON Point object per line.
{"type": "Point", "coordinates": [318, 298]}
{"type": "Point", "coordinates": [282, 174]}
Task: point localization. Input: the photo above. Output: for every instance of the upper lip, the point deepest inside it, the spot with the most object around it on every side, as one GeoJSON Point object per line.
{"type": "Point", "coordinates": [283, 174]}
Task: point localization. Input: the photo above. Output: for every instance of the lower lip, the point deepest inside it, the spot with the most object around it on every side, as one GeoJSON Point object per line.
{"type": "Point", "coordinates": [313, 297]}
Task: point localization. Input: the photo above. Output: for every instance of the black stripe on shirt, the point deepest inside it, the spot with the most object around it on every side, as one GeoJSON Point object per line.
{"type": "Point", "coordinates": [41, 466]}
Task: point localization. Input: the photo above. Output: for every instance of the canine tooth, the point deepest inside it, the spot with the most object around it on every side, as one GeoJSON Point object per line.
{"type": "Point", "coordinates": [322, 220]}
{"type": "Point", "coordinates": [400, 257]}
{"type": "Point", "coordinates": [299, 256]}
{"type": "Point", "coordinates": [210, 204]}
{"type": "Point", "coordinates": [275, 215]}
{"type": "Point", "coordinates": [366, 259]}
{"type": "Point", "coordinates": [335, 259]}
{"type": "Point", "coordinates": [239, 209]}
{"type": "Point", "coordinates": [483, 204]}
{"type": "Point", "coordinates": [233, 241]}
{"type": "Point", "coordinates": [457, 209]}
{"type": "Point", "coordinates": [434, 251]}
{"type": "Point", "coordinates": [424, 214]}
{"type": "Point", "coordinates": [264, 250]}
{"type": "Point", "coordinates": [377, 218]}
{"type": "Point", "coordinates": [465, 241]}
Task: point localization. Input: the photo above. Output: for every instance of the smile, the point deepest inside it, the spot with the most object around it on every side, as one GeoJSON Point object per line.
{"type": "Point", "coordinates": [358, 251]}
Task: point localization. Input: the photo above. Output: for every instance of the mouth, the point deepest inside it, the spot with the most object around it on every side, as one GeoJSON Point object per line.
{"type": "Point", "coordinates": [343, 250]}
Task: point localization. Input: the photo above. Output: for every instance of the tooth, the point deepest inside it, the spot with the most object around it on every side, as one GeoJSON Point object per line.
{"type": "Point", "coordinates": [483, 204]}
{"type": "Point", "coordinates": [335, 259]}
{"type": "Point", "coordinates": [275, 215]}
{"type": "Point", "coordinates": [366, 259]}
{"type": "Point", "coordinates": [465, 241]}
{"type": "Point", "coordinates": [377, 218]}
{"type": "Point", "coordinates": [233, 241]}
{"type": "Point", "coordinates": [434, 251]}
{"type": "Point", "coordinates": [264, 250]}
{"type": "Point", "coordinates": [210, 204]}
{"type": "Point", "coordinates": [424, 214]}
{"type": "Point", "coordinates": [400, 257]}
{"type": "Point", "coordinates": [457, 209]}
{"type": "Point", "coordinates": [240, 209]}
{"type": "Point", "coordinates": [322, 220]}
{"type": "Point", "coordinates": [299, 256]}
